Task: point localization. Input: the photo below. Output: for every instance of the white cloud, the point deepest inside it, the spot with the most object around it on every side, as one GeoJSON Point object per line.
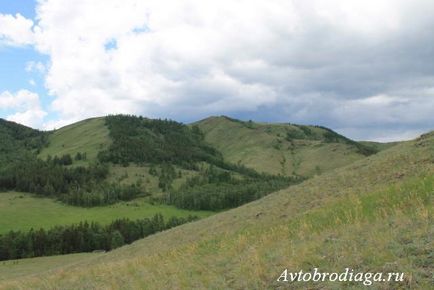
{"type": "Point", "coordinates": [382, 134]}
{"type": "Point", "coordinates": [33, 117]}
{"type": "Point", "coordinates": [35, 66]}
{"type": "Point", "coordinates": [166, 54]}
{"type": "Point", "coordinates": [384, 110]}
{"type": "Point", "coordinates": [338, 63]}
{"type": "Point", "coordinates": [23, 99]}
{"type": "Point", "coordinates": [16, 30]}
{"type": "Point", "coordinates": [26, 107]}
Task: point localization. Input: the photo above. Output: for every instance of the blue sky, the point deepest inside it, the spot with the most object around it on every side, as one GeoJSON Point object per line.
{"type": "Point", "coordinates": [13, 74]}
{"type": "Point", "coordinates": [362, 68]}
{"type": "Point", "coordinates": [24, 7]}
{"type": "Point", "coordinates": [14, 60]}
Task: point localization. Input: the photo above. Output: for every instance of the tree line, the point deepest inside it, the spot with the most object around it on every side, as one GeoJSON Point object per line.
{"type": "Point", "coordinates": [216, 189]}
{"type": "Point", "coordinates": [78, 185]}
{"type": "Point", "coordinates": [141, 140]}
{"type": "Point", "coordinates": [223, 196]}
{"type": "Point", "coordinates": [103, 194]}
{"type": "Point", "coordinates": [82, 237]}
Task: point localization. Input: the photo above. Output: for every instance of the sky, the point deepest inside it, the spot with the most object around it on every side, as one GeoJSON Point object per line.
{"type": "Point", "coordinates": [362, 68]}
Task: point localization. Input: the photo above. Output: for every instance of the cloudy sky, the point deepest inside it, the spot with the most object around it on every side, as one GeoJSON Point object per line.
{"type": "Point", "coordinates": [363, 68]}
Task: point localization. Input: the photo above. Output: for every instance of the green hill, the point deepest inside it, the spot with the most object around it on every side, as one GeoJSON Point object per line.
{"type": "Point", "coordinates": [89, 173]}
{"type": "Point", "coordinates": [378, 146]}
{"type": "Point", "coordinates": [17, 140]}
{"type": "Point", "coordinates": [286, 149]}
{"type": "Point", "coordinates": [81, 164]}
{"type": "Point", "coordinates": [374, 215]}
{"type": "Point", "coordinates": [87, 137]}
{"type": "Point", "coordinates": [92, 136]}
{"type": "Point", "coordinates": [213, 164]}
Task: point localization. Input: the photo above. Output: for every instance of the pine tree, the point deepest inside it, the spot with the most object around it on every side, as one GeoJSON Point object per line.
{"type": "Point", "coordinates": [117, 240]}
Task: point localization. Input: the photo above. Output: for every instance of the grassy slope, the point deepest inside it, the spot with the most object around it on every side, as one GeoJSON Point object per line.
{"type": "Point", "coordinates": [373, 215]}
{"type": "Point", "coordinates": [264, 147]}
{"type": "Point", "coordinates": [92, 136]}
{"type": "Point", "coordinates": [88, 136]}
{"type": "Point", "coordinates": [37, 212]}
{"type": "Point", "coordinates": [379, 146]}
{"type": "Point", "coordinates": [133, 173]}
{"type": "Point", "coordinates": [34, 266]}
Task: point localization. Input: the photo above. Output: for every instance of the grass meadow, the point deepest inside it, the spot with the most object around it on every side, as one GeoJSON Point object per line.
{"type": "Point", "coordinates": [23, 211]}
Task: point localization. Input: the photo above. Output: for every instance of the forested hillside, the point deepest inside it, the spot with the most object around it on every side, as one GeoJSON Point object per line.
{"type": "Point", "coordinates": [16, 141]}
{"type": "Point", "coordinates": [77, 165]}
{"type": "Point", "coordinates": [212, 165]}
{"type": "Point", "coordinates": [141, 140]}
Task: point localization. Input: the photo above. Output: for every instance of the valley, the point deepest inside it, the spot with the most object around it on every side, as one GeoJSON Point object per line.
{"type": "Point", "coordinates": [268, 197]}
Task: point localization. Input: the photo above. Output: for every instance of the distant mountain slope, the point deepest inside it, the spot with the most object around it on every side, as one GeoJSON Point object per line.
{"type": "Point", "coordinates": [286, 149]}
{"type": "Point", "coordinates": [379, 146]}
{"type": "Point", "coordinates": [88, 136]}
{"type": "Point", "coordinates": [374, 215]}
{"type": "Point", "coordinates": [143, 140]}
{"type": "Point", "coordinates": [187, 171]}
{"type": "Point", "coordinates": [16, 140]}
{"type": "Point", "coordinates": [129, 148]}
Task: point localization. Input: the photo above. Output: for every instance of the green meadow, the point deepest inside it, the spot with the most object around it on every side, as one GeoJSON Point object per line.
{"type": "Point", "coordinates": [23, 211]}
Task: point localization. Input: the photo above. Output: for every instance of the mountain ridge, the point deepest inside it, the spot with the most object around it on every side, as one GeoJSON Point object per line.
{"type": "Point", "coordinates": [276, 148]}
{"type": "Point", "coordinates": [282, 148]}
